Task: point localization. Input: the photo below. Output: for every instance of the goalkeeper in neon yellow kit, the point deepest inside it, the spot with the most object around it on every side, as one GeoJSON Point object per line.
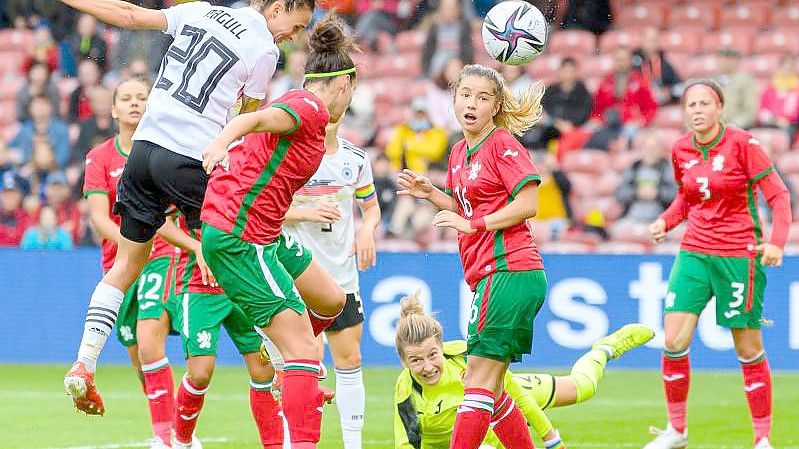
{"type": "Point", "coordinates": [429, 390]}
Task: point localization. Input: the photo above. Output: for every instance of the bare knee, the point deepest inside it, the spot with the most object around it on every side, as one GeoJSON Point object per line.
{"type": "Point", "coordinates": [348, 361]}
{"type": "Point", "coordinates": [675, 343]}
{"type": "Point", "coordinates": [200, 374]}
{"type": "Point", "coordinates": [749, 350]}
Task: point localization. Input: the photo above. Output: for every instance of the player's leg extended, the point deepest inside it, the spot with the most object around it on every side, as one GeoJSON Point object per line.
{"type": "Point", "coordinates": [757, 381]}
{"type": "Point", "coordinates": [345, 346]}
{"type": "Point", "coordinates": [158, 379]}
{"type": "Point", "coordinates": [100, 318]}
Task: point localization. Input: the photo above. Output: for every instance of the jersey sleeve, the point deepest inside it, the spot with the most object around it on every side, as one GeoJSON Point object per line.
{"type": "Point", "coordinates": [756, 162]}
{"type": "Point", "coordinates": [515, 167]}
{"type": "Point", "coordinates": [365, 187]}
{"type": "Point", "coordinates": [260, 73]}
{"type": "Point", "coordinates": [96, 176]}
{"type": "Point", "coordinates": [180, 14]}
{"type": "Point", "coordinates": [532, 412]}
{"type": "Point", "coordinates": [407, 432]}
{"type": "Point", "coordinates": [303, 108]}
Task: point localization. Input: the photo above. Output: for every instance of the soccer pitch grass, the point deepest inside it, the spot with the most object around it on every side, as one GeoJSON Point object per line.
{"type": "Point", "coordinates": [36, 414]}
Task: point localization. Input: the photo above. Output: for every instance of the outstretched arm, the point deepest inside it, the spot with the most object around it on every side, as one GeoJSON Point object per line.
{"type": "Point", "coordinates": [121, 14]}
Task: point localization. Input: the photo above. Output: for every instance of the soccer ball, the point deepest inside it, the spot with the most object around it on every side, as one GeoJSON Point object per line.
{"type": "Point", "coordinates": [514, 32]}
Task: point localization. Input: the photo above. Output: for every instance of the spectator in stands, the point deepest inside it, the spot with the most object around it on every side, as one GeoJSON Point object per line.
{"type": "Point", "coordinates": [385, 187]}
{"type": "Point", "coordinates": [647, 187]}
{"type": "Point", "coordinates": [80, 106]}
{"type": "Point", "coordinates": [59, 17]}
{"type": "Point", "coordinates": [291, 76]}
{"type": "Point", "coordinates": [592, 15]}
{"type": "Point", "coordinates": [87, 43]}
{"type": "Point", "coordinates": [45, 125]}
{"type": "Point", "coordinates": [39, 82]}
{"type": "Point", "coordinates": [417, 143]}
{"type": "Point", "coordinates": [626, 91]}
{"type": "Point", "coordinates": [40, 166]}
{"type": "Point", "coordinates": [654, 65]}
{"type": "Point", "coordinates": [439, 96]}
{"type": "Point", "coordinates": [47, 234]}
{"type": "Point", "coordinates": [13, 218]}
{"type": "Point", "coordinates": [779, 102]}
{"type": "Point", "coordinates": [137, 68]}
{"type": "Point", "coordinates": [449, 36]}
{"type": "Point", "coordinates": [740, 90]}
{"type": "Point", "coordinates": [554, 192]}
{"type": "Point", "coordinates": [44, 50]}
{"type": "Point", "coordinates": [765, 211]}
{"type": "Point", "coordinates": [6, 160]}
{"type": "Point", "coordinates": [18, 12]}
{"type": "Point", "coordinates": [376, 16]}
{"type": "Point", "coordinates": [567, 104]}
{"type": "Point", "coordinates": [57, 196]}
{"type": "Point", "coordinates": [97, 128]}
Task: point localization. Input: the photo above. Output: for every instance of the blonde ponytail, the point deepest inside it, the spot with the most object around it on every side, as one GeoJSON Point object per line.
{"type": "Point", "coordinates": [414, 325]}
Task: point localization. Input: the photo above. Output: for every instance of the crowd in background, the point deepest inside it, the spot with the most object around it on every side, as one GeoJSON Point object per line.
{"type": "Point", "coordinates": [603, 147]}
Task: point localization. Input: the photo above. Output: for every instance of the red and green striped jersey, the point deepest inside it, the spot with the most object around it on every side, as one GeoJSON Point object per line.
{"type": "Point", "coordinates": [483, 180]}
{"type": "Point", "coordinates": [251, 198]}
{"type": "Point", "coordinates": [188, 278]}
{"type": "Point", "coordinates": [104, 166]}
{"type": "Point", "coordinates": [717, 185]}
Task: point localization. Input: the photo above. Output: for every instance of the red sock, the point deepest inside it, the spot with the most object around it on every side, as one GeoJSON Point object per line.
{"type": "Point", "coordinates": [266, 411]}
{"type": "Point", "coordinates": [473, 418]}
{"type": "Point", "coordinates": [160, 391]}
{"type": "Point", "coordinates": [189, 403]}
{"type": "Point", "coordinates": [757, 384]}
{"type": "Point", "coordinates": [509, 424]}
{"type": "Point", "coordinates": [320, 322]}
{"type": "Point", "coordinates": [676, 381]}
{"type": "Point", "coordinates": [302, 402]}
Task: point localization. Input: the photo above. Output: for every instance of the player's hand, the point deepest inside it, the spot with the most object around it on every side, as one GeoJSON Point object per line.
{"type": "Point", "coordinates": [215, 155]}
{"type": "Point", "coordinates": [772, 254]}
{"type": "Point", "coordinates": [657, 230]}
{"type": "Point", "coordinates": [364, 250]}
{"type": "Point", "coordinates": [449, 219]}
{"type": "Point", "coordinates": [205, 272]}
{"type": "Point", "coordinates": [325, 212]}
{"type": "Point", "coordinates": [414, 185]}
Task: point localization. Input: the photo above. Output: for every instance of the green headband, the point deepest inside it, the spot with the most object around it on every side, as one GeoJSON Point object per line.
{"type": "Point", "coordinates": [330, 74]}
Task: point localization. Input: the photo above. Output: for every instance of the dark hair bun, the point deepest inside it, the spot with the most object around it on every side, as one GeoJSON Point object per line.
{"type": "Point", "coordinates": [329, 36]}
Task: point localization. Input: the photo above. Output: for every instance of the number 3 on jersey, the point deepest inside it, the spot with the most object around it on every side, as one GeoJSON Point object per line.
{"type": "Point", "coordinates": [460, 195]}
{"type": "Point", "coordinates": [192, 57]}
{"type": "Point", "coordinates": [704, 189]}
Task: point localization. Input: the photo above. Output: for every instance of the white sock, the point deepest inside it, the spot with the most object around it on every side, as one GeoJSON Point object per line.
{"type": "Point", "coordinates": [100, 319]}
{"type": "Point", "coordinates": [350, 400]}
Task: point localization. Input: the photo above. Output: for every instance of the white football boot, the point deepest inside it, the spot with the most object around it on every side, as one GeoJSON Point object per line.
{"type": "Point", "coordinates": [667, 439]}
{"type": "Point", "coordinates": [764, 443]}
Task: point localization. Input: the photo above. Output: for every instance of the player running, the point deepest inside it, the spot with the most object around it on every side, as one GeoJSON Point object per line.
{"type": "Point", "coordinates": [247, 200]}
{"type": "Point", "coordinates": [321, 219]}
{"type": "Point", "coordinates": [495, 188]}
{"type": "Point", "coordinates": [430, 388]}
{"type": "Point", "coordinates": [218, 53]}
{"type": "Point", "coordinates": [719, 168]}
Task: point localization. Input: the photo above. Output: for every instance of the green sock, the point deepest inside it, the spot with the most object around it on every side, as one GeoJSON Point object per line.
{"type": "Point", "coordinates": [586, 373]}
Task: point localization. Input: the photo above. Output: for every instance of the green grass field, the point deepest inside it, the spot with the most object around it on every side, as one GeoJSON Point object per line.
{"type": "Point", "coordinates": [36, 414]}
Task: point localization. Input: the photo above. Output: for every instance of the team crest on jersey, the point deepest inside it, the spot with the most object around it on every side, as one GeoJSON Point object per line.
{"type": "Point", "coordinates": [690, 164]}
{"type": "Point", "coordinates": [510, 152]}
{"type": "Point", "coordinates": [347, 173]}
{"type": "Point", "coordinates": [115, 173]}
{"type": "Point", "coordinates": [718, 163]}
{"type": "Point", "coordinates": [474, 171]}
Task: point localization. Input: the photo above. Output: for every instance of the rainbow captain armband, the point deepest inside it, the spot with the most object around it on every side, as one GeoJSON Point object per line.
{"type": "Point", "coordinates": [555, 442]}
{"type": "Point", "coordinates": [365, 193]}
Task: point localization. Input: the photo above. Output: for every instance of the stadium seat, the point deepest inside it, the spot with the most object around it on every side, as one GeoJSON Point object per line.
{"type": "Point", "coordinates": [596, 66]}
{"type": "Point", "coordinates": [12, 61]}
{"type": "Point", "coordinates": [605, 184]}
{"type": "Point", "coordinates": [666, 248]}
{"type": "Point", "coordinates": [707, 65]}
{"type": "Point", "coordinates": [408, 65]}
{"type": "Point", "coordinates": [619, 38]}
{"type": "Point", "coordinates": [775, 139]}
{"type": "Point", "coordinates": [789, 163]}
{"type": "Point", "coordinates": [364, 62]}
{"type": "Point", "coordinates": [409, 41]}
{"type": "Point", "coordinates": [545, 67]}
{"type": "Point", "coordinates": [760, 65]}
{"type": "Point", "coordinates": [8, 132]}
{"type": "Point", "coordinates": [748, 14]}
{"type": "Point", "coordinates": [625, 231]}
{"type": "Point", "coordinates": [683, 39]}
{"type": "Point", "coordinates": [384, 135]}
{"type": "Point", "coordinates": [786, 16]}
{"type": "Point", "coordinates": [10, 86]}
{"type": "Point", "coordinates": [12, 39]}
{"type": "Point", "coordinates": [778, 41]}
{"type": "Point", "coordinates": [669, 117]}
{"type": "Point", "coordinates": [650, 13]}
{"type": "Point", "coordinates": [793, 234]}
{"type": "Point", "coordinates": [565, 247]}
{"type": "Point", "coordinates": [588, 160]}
{"type": "Point", "coordinates": [391, 90]}
{"type": "Point", "coordinates": [572, 41]}
{"type": "Point", "coordinates": [622, 248]}
{"type": "Point", "coordinates": [622, 160]}
{"type": "Point", "coordinates": [741, 38]}
{"type": "Point", "coordinates": [704, 14]}
{"type": "Point", "coordinates": [583, 184]}
{"type": "Point", "coordinates": [8, 112]}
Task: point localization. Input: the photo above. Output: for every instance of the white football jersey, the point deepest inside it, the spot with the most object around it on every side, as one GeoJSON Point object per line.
{"type": "Point", "coordinates": [338, 178]}
{"type": "Point", "coordinates": [218, 54]}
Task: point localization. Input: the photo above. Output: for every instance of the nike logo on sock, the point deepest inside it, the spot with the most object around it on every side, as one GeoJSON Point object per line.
{"type": "Point", "coordinates": [157, 394]}
{"type": "Point", "coordinates": [753, 387]}
{"type": "Point", "coordinates": [673, 377]}
{"type": "Point", "coordinates": [189, 417]}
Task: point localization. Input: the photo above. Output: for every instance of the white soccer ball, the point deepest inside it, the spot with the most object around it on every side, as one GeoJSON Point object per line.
{"type": "Point", "coordinates": [514, 32]}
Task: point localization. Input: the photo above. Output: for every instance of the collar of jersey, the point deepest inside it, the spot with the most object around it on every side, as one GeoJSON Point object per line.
{"type": "Point", "coordinates": [118, 147]}
{"type": "Point", "coordinates": [471, 151]}
{"type": "Point", "coordinates": [705, 149]}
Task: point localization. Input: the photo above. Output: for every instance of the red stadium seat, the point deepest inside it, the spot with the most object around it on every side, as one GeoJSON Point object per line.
{"type": "Point", "coordinates": [622, 160]}
{"type": "Point", "coordinates": [9, 87]}
{"type": "Point", "coordinates": [625, 231]}
{"type": "Point", "coordinates": [775, 139]}
{"type": "Point", "coordinates": [8, 112]}
{"type": "Point", "coordinates": [760, 65]}
{"type": "Point", "coordinates": [572, 41]}
{"type": "Point", "coordinates": [622, 248]}
{"type": "Point", "coordinates": [409, 41]}
{"type": "Point", "coordinates": [596, 66]}
{"type": "Point", "coordinates": [786, 16]}
{"type": "Point", "coordinates": [364, 62]}
{"type": "Point", "coordinates": [590, 161]}
{"type": "Point", "coordinates": [565, 247]}
{"type": "Point", "coordinates": [741, 38]}
{"type": "Point", "coordinates": [746, 14]}
{"type": "Point", "coordinates": [651, 13]}
{"type": "Point", "coordinates": [669, 117]}
{"type": "Point", "coordinates": [545, 67]}
{"type": "Point", "coordinates": [683, 39]}
{"type": "Point", "coordinates": [606, 184]}
{"type": "Point", "coordinates": [789, 163]}
{"type": "Point", "coordinates": [11, 39]}
{"type": "Point", "coordinates": [407, 65]}
{"type": "Point", "coordinates": [582, 184]}
{"type": "Point", "coordinates": [12, 61]}
{"type": "Point", "coordinates": [793, 234]}
{"type": "Point", "coordinates": [707, 65]}
{"type": "Point", "coordinates": [619, 38]}
{"type": "Point", "coordinates": [704, 14]}
{"type": "Point", "coordinates": [778, 41]}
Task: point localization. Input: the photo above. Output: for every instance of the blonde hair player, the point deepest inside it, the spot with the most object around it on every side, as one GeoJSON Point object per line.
{"type": "Point", "coordinates": [430, 388]}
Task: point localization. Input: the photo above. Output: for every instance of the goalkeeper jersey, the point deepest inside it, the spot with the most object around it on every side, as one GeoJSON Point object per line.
{"type": "Point", "coordinates": [424, 415]}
